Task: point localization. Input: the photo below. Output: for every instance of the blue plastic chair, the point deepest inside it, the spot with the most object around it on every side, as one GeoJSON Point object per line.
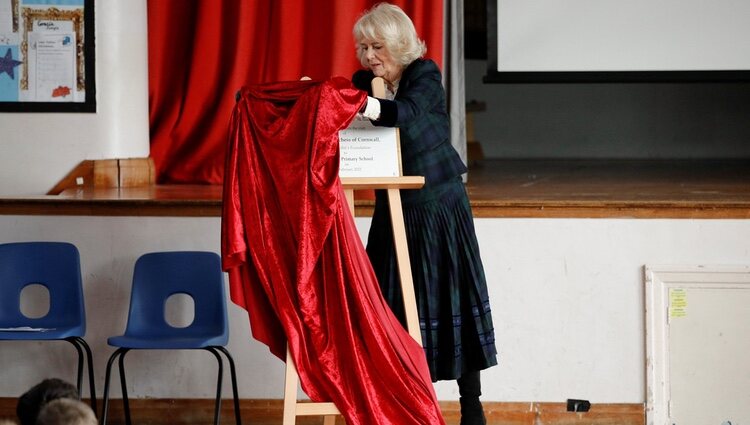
{"type": "Point", "coordinates": [57, 267]}
{"type": "Point", "coordinates": [158, 276]}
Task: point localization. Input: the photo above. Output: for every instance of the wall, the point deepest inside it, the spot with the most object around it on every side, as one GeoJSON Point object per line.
{"type": "Point", "coordinates": [610, 120]}
{"type": "Point", "coordinates": [38, 149]}
{"type": "Point", "coordinates": [566, 295]}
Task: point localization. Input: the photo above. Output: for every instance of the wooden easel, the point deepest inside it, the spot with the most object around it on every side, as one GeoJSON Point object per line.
{"type": "Point", "coordinates": [293, 407]}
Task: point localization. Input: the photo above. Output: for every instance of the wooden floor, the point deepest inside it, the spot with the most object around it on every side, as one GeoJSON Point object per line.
{"type": "Point", "coordinates": [269, 412]}
{"type": "Point", "coordinates": [497, 188]}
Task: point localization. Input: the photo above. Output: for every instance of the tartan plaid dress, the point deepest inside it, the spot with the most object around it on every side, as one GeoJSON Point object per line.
{"type": "Point", "coordinates": [449, 281]}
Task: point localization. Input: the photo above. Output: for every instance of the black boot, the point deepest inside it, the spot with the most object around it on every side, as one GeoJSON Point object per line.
{"type": "Point", "coordinates": [470, 388]}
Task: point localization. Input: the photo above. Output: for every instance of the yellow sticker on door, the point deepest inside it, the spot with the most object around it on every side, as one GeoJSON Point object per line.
{"type": "Point", "coordinates": [677, 302]}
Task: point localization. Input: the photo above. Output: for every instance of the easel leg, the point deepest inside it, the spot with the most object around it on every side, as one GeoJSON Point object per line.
{"type": "Point", "coordinates": [404, 266]}
{"type": "Point", "coordinates": [349, 193]}
{"type": "Point", "coordinates": [410, 305]}
{"type": "Point", "coordinates": [291, 380]}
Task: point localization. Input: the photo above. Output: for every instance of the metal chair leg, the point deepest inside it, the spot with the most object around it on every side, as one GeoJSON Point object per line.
{"type": "Point", "coordinates": [92, 384]}
{"type": "Point", "coordinates": [220, 375]}
{"type": "Point", "coordinates": [79, 343]}
{"type": "Point", "coordinates": [125, 400]}
{"type": "Point", "coordinates": [79, 377]}
{"type": "Point", "coordinates": [235, 392]}
{"type": "Point", "coordinates": [108, 374]}
{"type": "Point", "coordinates": [124, 387]}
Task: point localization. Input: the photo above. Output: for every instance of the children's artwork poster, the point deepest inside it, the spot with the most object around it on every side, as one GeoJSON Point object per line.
{"type": "Point", "coordinates": [43, 51]}
{"type": "Point", "coordinates": [369, 151]}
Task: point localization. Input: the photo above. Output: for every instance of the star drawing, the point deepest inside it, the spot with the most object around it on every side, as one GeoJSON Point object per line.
{"type": "Point", "coordinates": [7, 64]}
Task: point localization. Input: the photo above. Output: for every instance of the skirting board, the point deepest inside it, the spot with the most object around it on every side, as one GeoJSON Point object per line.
{"type": "Point", "coordinates": [268, 412]}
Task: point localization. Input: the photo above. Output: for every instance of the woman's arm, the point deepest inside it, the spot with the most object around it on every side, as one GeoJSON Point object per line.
{"type": "Point", "coordinates": [420, 91]}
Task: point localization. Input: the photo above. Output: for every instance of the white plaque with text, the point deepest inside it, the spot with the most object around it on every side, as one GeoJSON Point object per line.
{"type": "Point", "coordinates": [369, 151]}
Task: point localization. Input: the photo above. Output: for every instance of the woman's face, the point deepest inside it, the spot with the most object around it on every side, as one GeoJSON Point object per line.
{"type": "Point", "coordinates": [379, 60]}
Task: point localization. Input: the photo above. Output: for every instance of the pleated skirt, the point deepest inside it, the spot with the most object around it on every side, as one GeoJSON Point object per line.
{"type": "Point", "coordinates": [449, 282]}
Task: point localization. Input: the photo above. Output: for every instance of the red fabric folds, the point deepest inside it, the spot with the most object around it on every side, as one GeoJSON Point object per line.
{"type": "Point", "coordinates": [297, 264]}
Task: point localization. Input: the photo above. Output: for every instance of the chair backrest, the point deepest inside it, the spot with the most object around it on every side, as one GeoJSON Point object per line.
{"type": "Point", "coordinates": [159, 275]}
{"type": "Point", "coordinates": [56, 266]}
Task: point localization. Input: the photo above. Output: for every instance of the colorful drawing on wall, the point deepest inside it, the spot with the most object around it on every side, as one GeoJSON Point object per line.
{"type": "Point", "coordinates": [51, 59]}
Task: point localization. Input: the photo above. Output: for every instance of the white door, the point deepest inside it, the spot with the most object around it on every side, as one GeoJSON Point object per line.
{"type": "Point", "coordinates": [698, 345]}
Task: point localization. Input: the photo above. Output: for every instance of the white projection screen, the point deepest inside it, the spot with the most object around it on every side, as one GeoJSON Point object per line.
{"type": "Point", "coordinates": [579, 40]}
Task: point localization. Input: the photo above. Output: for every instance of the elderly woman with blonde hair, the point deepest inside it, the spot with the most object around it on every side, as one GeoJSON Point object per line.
{"type": "Point", "coordinates": [449, 281]}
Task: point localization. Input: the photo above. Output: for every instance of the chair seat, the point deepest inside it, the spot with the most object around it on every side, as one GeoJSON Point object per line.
{"type": "Point", "coordinates": [56, 333]}
{"type": "Point", "coordinates": [156, 342]}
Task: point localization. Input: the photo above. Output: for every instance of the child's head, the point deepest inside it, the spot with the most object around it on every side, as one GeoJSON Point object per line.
{"type": "Point", "coordinates": [66, 411]}
{"type": "Point", "coordinates": [31, 402]}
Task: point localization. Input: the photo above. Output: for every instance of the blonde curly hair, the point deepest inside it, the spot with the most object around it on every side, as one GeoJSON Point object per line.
{"type": "Point", "coordinates": [389, 24]}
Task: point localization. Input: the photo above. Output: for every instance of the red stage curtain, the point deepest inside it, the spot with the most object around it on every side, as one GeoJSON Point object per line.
{"type": "Point", "coordinates": [201, 52]}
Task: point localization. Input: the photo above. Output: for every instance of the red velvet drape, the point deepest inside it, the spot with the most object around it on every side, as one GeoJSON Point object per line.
{"type": "Point", "coordinates": [296, 263]}
{"type": "Point", "coordinates": [201, 52]}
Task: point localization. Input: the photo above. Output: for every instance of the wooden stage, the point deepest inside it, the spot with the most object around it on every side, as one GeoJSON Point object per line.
{"type": "Point", "coordinates": [497, 188]}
